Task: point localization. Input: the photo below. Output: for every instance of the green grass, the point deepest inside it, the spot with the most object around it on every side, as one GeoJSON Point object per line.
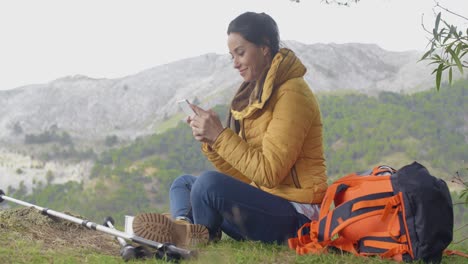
{"type": "Point", "coordinates": [20, 250]}
{"type": "Point", "coordinates": [30, 237]}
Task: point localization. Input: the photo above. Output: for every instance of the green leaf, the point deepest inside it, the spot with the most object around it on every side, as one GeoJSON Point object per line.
{"type": "Point", "coordinates": [442, 32]}
{"type": "Point", "coordinates": [436, 36]}
{"type": "Point", "coordinates": [447, 38]}
{"type": "Point", "coordinates": [463, 54]}
{"type": "Point", "coordinates": [456, 59]}
{"type": "Point", "coordinates": [454, 31]}
{"type": "Point", "coordinates": [437, 22]}
{"type": "Point", "coordinates": [458, 49]}
{"type": "Point", "coordinates": [439, 76]}
{"type": "Point", "coordinates": [449, 46]}
{"type": "Point", "coordinates": [426, 54]}
{"type": "Point", "coordinates": [450, 76]}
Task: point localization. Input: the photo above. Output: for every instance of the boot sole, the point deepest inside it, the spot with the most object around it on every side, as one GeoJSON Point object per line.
{"type": "Point", "coordinates": [161, 229]}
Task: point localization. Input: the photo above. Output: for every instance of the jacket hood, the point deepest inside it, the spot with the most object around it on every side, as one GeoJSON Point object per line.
{"type": "Point", "coordinates": [284, 66]}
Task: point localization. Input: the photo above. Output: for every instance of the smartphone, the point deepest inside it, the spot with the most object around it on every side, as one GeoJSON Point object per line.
{"type": "Point", "coordinates": [185, 105]}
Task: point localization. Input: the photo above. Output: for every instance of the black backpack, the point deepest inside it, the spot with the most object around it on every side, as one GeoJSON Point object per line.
{"type": "Point", "coordinates": [403, 215]}
{"type": "Point", "coordinates": [428, 209]}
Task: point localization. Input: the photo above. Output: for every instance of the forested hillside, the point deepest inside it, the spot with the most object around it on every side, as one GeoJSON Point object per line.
{"type": "Point", "coordinates": [360, 131]}
{"type": "Point", "coordinates": [430, 127]}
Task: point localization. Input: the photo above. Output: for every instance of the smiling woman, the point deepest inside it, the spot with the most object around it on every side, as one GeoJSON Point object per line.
{"type": "Point", "coordinates": [252, 48]}
{"type": "Point", "coordinates": [270, 176]}
{"type": "Point", "coordinates": [248, 58]}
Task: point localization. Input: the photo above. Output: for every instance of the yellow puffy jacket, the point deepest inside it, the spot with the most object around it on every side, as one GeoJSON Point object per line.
{"type": "Point", "coordinates": [279, 147]}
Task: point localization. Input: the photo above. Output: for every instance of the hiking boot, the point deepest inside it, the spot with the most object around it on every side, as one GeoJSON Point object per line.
{"type": "Point", "coordinates": [160, 228]}
{"type": "Point", "coordinates": [168, 215]}
{"type": "Point", "coordinates": [178, 219]}
{"type": "Point", "coordinates": [185, 220]}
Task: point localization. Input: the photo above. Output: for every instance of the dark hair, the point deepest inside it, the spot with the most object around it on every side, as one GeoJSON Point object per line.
{"type": "Point", "coordinates": [258, 28]}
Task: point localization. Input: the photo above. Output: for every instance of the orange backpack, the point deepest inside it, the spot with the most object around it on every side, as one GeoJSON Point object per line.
{"type": "Point", "coordinates": [405, 215]}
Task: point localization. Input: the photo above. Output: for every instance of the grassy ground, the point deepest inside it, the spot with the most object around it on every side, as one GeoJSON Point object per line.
{"type": "Point", "coordinates": [29, 237]}
{"type": "Point", "coordinates": [18, 249]}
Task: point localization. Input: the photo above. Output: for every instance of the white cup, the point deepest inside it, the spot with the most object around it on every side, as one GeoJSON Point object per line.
{"type": "Point", "coordinates": [129, 224]}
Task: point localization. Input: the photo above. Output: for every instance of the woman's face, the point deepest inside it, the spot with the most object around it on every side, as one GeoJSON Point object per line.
{"type": "Point", "coordinates": [249, 59]}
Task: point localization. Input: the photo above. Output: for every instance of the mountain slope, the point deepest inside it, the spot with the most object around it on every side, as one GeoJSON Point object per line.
{"type": "Point", "coordinates": [91, 109]}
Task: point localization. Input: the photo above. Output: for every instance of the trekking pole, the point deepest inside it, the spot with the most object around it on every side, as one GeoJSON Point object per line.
{"type": "Point", "coordinates": [127, 251]}
{"type": "Point", "coordinates": [164, 250]}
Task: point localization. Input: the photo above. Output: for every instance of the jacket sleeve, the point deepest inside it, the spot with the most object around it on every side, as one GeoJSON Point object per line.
{"type": "Point", "coordinates": [281, 145]}
{"type": "Point", "coordinates": [221, 164]}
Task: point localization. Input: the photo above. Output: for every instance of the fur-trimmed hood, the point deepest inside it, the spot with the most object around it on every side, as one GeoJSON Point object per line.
{"type": "Point", "coordinates": [253, 95]}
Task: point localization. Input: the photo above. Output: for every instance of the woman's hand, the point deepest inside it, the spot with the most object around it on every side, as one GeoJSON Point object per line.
{"type": "Point", "coordinates": [206, 125]}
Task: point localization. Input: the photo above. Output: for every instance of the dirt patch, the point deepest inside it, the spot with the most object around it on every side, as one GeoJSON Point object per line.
{"type": "Point", "coordinates": [55, 233]}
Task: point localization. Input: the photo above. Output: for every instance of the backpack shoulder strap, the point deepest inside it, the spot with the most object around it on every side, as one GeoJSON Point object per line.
{"type": "Point", "coordinates": [455, 252]}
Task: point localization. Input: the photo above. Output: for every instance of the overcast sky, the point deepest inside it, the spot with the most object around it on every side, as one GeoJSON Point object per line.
{"type": "Point", "coordinates": [49, 39]}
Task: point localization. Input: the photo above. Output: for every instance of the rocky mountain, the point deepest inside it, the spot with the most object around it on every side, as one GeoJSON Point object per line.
{"type": "Point", "coordinates": [134, 105]}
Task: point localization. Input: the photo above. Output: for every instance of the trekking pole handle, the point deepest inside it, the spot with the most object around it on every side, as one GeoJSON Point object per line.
{"type": "Point", "coordinates": [109, 222]}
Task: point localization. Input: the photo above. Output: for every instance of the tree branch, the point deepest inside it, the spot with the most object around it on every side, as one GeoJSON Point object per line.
{"type": "Point", "coordinates": [453, 13]}
{"type": "Point", "coordinates": [422, 24]}
{"type": "Point", "coordinates": [343, 3]}
{"type": "Point", "coordinates": [458, 242]}
{"type": "Point", "coordinates": [463, 226]}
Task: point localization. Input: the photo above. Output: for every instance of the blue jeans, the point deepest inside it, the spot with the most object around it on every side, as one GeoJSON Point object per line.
{"type": "Point", "coordinates": [243, 212]}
